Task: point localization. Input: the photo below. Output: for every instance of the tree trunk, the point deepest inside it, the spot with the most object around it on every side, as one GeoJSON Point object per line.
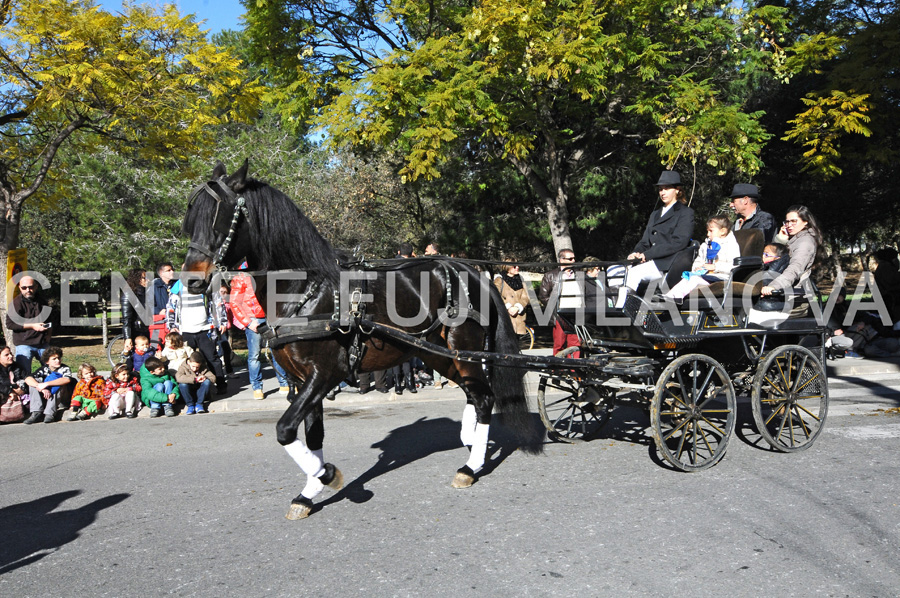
{"type": "Point", "coordinates": [554, 198]}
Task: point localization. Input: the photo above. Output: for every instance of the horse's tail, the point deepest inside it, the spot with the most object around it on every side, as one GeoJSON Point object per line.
{"type": "Point", "coordinates": [508, 383]}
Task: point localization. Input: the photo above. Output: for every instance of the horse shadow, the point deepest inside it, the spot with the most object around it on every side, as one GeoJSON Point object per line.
{"type": "Point", "coordinates": [419, 440]}
{"type": "Point", "coordinates": [40, 530]}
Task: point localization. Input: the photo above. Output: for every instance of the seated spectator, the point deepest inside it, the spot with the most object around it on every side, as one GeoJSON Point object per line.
{"type": "Point", "coordinates": [87, 397]}
{"type": "Point", "coordinates": [47, 385]}
{"type": "Point", "coordinates": [174, 353]}
{"type": "Point", "coordinates": [12, 377]}
{"type": "Point", "coordinates": [194, 381]}
{"type": "Point", "coordinates": [122, 393]}
{"type": "Point", "coordinates": [159, 391]}
{"type": "Point", "coordinates": [142, 352]}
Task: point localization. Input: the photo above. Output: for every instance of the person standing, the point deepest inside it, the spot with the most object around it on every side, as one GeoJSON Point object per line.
{"type": "Point", "coordinates": [198, 320]}
{"type": "Point", "coordinates": [27, 319]}
{"type": "Point", "coordinates": [248, 315]}
{"type": "Point", "coordinates": [162, 286]}
{"type": "Point", "coordinates": [744, 198]}
{"type": "Point", "coordinates": [514, 295]}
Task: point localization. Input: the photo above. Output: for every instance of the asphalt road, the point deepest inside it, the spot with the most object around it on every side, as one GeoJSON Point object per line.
{"type": "Point", "coordinates": [194, 506]}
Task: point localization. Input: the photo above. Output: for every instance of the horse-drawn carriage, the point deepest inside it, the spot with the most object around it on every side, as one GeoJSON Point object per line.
{"type": "Point", "coordinates": [341, 317]}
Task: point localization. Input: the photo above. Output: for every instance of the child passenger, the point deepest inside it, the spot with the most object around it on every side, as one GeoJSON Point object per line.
{"type": "Point", "coordinates": [159, 391]}
{"type": "Point", "coordinates": [122, 392]}
{"type": "Point", "coordinates": [175, 353]}
{"type": "Point", "coordinates": [87, 398]}
{"type": "Point", "coordinates": [195, 381]}
{"type": "Point", "coordinates": [710, 266]}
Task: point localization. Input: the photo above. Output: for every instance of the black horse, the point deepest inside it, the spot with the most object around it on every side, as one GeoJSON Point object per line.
{"type": "Point", "coordinates": [440, 301]}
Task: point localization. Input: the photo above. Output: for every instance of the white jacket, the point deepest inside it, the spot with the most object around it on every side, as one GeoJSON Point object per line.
{"type": "Point", "coordinates": [724, 262]}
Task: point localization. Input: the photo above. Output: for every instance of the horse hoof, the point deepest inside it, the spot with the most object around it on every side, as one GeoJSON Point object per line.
{"type": "Point", "coordinates": [464, 478]}
{"type": "Point", "coordinates": [301, 508]}
{"type": "Point", "coordinates": [333, 478]}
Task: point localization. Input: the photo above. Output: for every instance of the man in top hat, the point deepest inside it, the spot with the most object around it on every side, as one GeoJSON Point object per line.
{"type": "Point", "coordinates": [668, 232]}
{"type": "Point", "coordinates": [744, 198]}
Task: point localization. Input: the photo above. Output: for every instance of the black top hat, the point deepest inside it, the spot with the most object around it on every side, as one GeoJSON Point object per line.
{"type": "Point", "coordinates": [669, 177]}
{"type": "Point", "coordinates": [745, 189]}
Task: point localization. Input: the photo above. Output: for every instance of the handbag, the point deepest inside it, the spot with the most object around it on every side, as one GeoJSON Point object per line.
{"type": "Point", "coordinates": [12, 411]}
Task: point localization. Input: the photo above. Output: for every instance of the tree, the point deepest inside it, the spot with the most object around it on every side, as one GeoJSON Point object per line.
{"type": "Point", "coordinates": [73, 74]}
{"type": "Point", "coordinates": [551, 88]}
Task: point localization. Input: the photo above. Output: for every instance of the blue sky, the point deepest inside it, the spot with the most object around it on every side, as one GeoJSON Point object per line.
{"type": "Point", "coordinates": [218, 14]}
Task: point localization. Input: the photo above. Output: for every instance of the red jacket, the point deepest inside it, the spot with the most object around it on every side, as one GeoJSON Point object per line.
{"type": "Point", "coordinates": [112, 384]}
{"type": "Point", "coordinates": [244, 304]}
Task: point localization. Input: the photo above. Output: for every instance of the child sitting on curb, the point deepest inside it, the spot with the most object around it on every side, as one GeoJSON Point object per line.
{"type": "Point", "coordinates": [159, 390]}
{"type": "Point", "coordinates": [194, 381]}
{"type": "Point", "coordinates": [122, 393]}
{"type": "Point", "coordinates": [87, 398]}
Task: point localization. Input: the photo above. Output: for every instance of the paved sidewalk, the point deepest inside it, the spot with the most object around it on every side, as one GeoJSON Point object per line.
{"type": "Point", "coordinates": [241, 397]}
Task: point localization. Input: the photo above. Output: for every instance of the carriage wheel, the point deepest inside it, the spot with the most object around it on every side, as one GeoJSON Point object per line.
{"type": "Point", "coordinates": [572, 410]}
{"type": "Point", "coordinates": [790, 398]}
{"type": "Point", "coordinates": [693, 412]}
{"type": "Point", "coordinates": [115, 350]}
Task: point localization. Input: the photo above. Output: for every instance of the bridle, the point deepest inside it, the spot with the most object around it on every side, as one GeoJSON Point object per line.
{"type": "Point", "coordinates": [240, 207]}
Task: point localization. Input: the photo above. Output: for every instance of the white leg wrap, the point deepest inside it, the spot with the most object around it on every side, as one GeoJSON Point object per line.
{"type": "Point", "coordinates": [310, 462]}
{"type": "Point", "coordinates": [467, 433]}
{"type": "Point", "coordinates": [313, 487]}
{"type": "Point", "coordinates": [479, 447]}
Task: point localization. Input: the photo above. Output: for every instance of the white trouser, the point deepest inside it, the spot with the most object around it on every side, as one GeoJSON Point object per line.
{"type": "Point", "coordinates": [640, 273]}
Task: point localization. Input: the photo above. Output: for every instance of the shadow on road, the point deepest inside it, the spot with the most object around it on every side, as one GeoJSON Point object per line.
{"type": "Point", "coordinates": [418, 440]}
{"type": "Point", "coordinates": [34, 529]}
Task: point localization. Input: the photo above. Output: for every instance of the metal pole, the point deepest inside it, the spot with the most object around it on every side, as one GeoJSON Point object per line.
{"type": "Point", "coordinates": [105, 325]}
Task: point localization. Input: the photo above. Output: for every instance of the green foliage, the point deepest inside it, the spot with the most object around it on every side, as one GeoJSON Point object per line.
{"type": "Point", "coordinates": [821, 127]}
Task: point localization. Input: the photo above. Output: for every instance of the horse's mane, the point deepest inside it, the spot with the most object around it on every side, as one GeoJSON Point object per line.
{"type": "Point", "coordinates": [284, 238]}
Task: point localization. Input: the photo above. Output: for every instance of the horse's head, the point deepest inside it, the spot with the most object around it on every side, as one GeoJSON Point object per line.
{"type": "Point", "coordinates": [216, 222]}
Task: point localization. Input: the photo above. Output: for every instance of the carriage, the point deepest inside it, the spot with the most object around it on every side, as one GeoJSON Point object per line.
{"type": "Point", "coordinates": [334, 316]}
{"type": "Point", "coordinates": [686, 364]}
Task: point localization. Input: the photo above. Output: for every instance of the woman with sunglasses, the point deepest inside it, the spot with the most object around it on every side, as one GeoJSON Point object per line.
{"type": "Point", "coordinates": [803, 239]}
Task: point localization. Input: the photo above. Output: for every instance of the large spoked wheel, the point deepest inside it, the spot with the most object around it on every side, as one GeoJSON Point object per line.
{"type": "Point", "coordinates": [693, 412]}
{"type": "Point", "coordinates": [572, 410]}
{"type": "Point", "coordinates": [115, 350]}
{"type": "Point", "coordinates": [790, 398]}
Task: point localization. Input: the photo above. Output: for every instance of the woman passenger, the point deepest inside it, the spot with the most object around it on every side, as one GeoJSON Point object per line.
{"type": "Point", "coordinates": [804, 240]}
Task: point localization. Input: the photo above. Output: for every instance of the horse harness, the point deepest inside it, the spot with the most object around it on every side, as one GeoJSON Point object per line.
{"type": "Point", "coordinates": [353, 322]}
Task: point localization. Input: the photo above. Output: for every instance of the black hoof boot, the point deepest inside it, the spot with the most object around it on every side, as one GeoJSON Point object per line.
{"type": "Point", "coordinates": [333, 478]}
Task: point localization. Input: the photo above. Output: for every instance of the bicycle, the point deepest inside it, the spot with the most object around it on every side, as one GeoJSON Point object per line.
{"type": "Point", "coordinates": [115, 350]}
